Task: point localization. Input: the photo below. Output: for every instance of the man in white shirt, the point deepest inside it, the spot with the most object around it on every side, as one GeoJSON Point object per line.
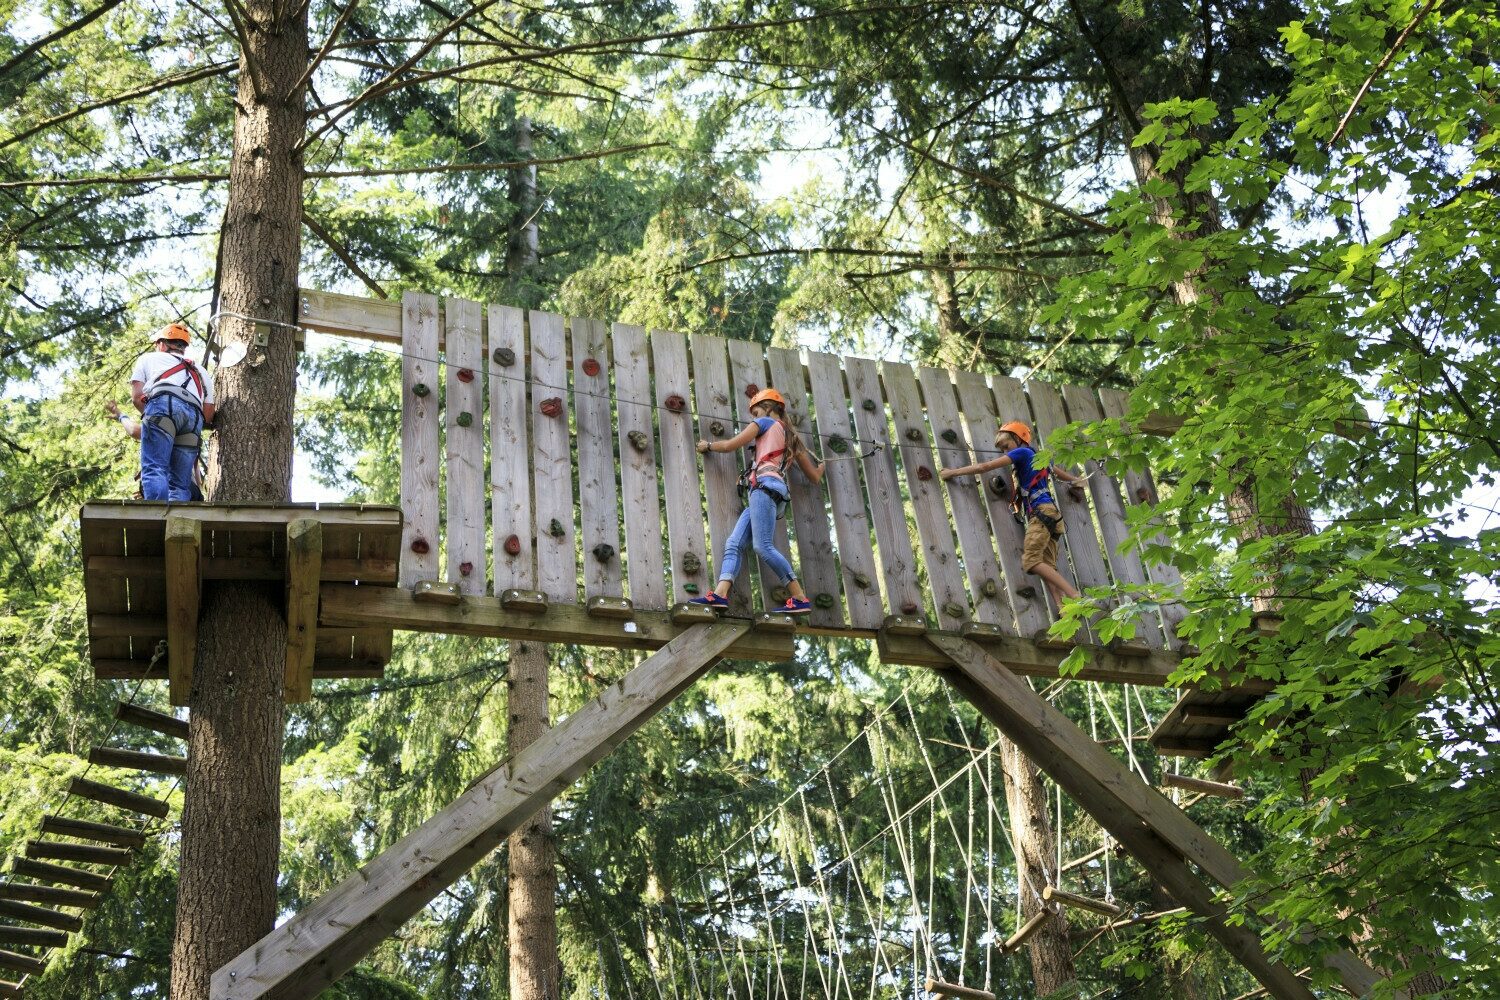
{"type": "Point", "coordinates": [175, 399]}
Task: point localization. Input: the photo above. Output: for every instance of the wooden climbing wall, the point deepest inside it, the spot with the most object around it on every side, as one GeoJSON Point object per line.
{"type": "Point", "coordinates": [595, 495]}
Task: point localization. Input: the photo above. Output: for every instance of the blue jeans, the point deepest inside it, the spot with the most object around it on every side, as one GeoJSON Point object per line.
{"type": "Point", "coordinates": [756, 526]}
{"type": "Point", "coordinates": [167, 470]}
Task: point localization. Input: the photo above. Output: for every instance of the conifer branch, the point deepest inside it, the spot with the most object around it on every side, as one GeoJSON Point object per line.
{"type": "Point", "coordinates": [58, 35]}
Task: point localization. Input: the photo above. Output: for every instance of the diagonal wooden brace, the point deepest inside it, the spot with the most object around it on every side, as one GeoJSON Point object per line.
{"type": "Point", "coordinates": [1160, 836]}
{"type": "Point", "coordinates": [299, 959]}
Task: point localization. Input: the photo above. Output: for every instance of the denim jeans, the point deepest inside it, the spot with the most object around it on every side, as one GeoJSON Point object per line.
{"type": "Point", "coordinates": [167, 470]}
{"type": "Point", "coordinates": [757, 527]}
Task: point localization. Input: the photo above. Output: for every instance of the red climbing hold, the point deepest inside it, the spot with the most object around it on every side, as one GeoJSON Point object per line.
{"type": "Point", "coordinates": [466, 374]}
{"type": "Point", "coordinates": [751, 390]}
{"type": "Point", "coordinates": [675, 403]}
{"type": "Point", "coordinates": [910, 608]}
{"type": "Point", "coordinates": [552, 407]}
{"type": "Point", "coordinates": [924, 473]}
{"type": "Point", "coordinates": [465, 568]}
{"type": "Point", "coordinates": [420, 546]}
{"type": "Point", "coordinates": [513, 546]}
{"type": "Point", "coordinates": [590, 367]}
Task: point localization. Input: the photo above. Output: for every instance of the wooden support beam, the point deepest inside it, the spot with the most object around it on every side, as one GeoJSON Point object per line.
{"type": "Point", "coordinates": [366, 569]}
{"type": "Point", "coordinates": [346, 606]}
{"type": "Point", "coordinates": [22, 963]}
{"type": "Point", "coordinates": [88, 854]}
{"type": "Point", "coordinates": [184, 542]}
{"type": "Point", "coordinates": [1028, 659]}
{"type": "Point", "coordinates": [1193, 716]}
{"type": "Point", "coordinates": [32, 937]}
{"type": "Point", "coordinates": [40, 916]}
{"type": "Point", "coordinates": [62, 875]}
{"type": "Point", "coordinates": [1052, 893]}
{"type": "Point", "coordinates": [1026, 931]}
{"type": "Point", "coordinates": [120, 798]}
{"type": "Point", "coordinates": [139, 760]}
{"type": "Point", "coordinates": [157, 722]}
{"type": "Point", "coordinates": [10, 991]}
{"type": "Point", "coordinates": [1158, 834]}
{"type": "Point", "coordinates": [104, 833]}
{"type": "Point", "coordinates": [1202, 785]}
{"type": "Point", "coordinates": [1198, 747]}
{"type": "Point", "coordinates": [49, 895]}
{"type": "Point", "coordinates": [938, 988]}
{"type": "Point", "coordinates": [304, 567]}
{"type": "Point", "coordinates": [303, 956]}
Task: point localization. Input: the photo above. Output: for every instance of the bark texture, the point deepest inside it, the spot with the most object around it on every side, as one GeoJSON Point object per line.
{"type": "Point", "coordinates": [534, 968]}
{"type": "Point", "coordinates": [1049, 950]}
{"type": "Point", "coordinates": [231, 823]}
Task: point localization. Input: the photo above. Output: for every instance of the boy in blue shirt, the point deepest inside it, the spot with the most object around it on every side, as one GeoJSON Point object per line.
{"type": "Point", "coordinates": [1044, 525]}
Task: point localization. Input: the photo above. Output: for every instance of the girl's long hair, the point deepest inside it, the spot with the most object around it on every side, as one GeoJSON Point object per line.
{"type": "Point", "coordinates": [794, 445]}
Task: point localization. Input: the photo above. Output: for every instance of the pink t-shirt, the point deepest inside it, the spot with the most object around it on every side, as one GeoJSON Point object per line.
{"type": "Point", "coordinates": [770, 451]}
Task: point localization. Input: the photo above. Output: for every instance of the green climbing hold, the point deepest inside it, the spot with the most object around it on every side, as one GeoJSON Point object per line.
{"type": "Point", "coordinates": [780, 595]}
{"type": "Point", "coordinates": [990, 589]}
{"type": "Point", "coordinates": [860, 580]}
{"type": "Point", "coordinates": [716, 429]}
{"type": "Point", "coordinates": [604, 552]}
{"type": "Point", "coordinates": [912, 434]}
{"type": "Point", "coordinates": [870, 405]}
{"type": "Point", "coordinates": [837, 445]}
{"type": "Point", "coordinates": [690, 588]}
{"type": "Point", "coordinates": [824, 601]}
{"type": "Point", "coordinates": [638, 440]}
{"type": "Point", "coordinates": [504, 357]}
{"type": "Point", "coordinates": [950, 435]}
{"type": "Point", "coordinates": [420, 389]}
{"type": "Point", "coordinates": [953, 610]}
{"type": "Point", "coordinates": [691, 563]}
{"type": "Point", "coordinates": [555, 529]}
{"type": "Point", "coordinates": [465, 419]}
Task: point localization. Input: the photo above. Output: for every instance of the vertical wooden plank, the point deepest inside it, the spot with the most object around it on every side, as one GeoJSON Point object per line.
{"type": "Point", "coordinates": [304, 565]}
{"type": "Point", "coordinates": [944, 578]}
{"type": "Point", "coordinates": [183, 540]}
{"type": "Point", "coordinates": [1024, 592]}
{"type": "Point", "coordinates": [716, 421]}
{"type": "Point", "coordinates": [510, 453]}
{"type": "Point", "coordinates": [640, 493]}
{"type": "Point", "coordinates": [969, 515]}
{"type": "Point", "coordinates": [816, 562]}
{"type": "Point", "coordinates": [552, 461]}
{"type": "Point", "coordinates": [105, 593]}
{"type": "Point", "coordinates": [851, 520]}
{"type": "Point", "coordinates": [747, 366]}
{"type": "Point", "coordinates": [679, 467]}
{"type": "Point", "coordinates": [1109, 511]}
{"type": "Point", "coordinates": [1080, 541]}
{"type": "Point", "coordinates": [419, 437]}
{"type": "Point", "coordinates": [465, 446]}
{"type": "Point", "coordinates": [898, 563]}
{"type": "Point", "coordinates": [597, 493]}
{"type": "Point", "coordinates": [1141, 491]}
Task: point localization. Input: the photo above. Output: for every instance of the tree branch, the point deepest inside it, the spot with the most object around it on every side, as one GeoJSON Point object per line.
{"type": "Point", "coordinates": [60, 33]}
{"type": "Point", "coordinates": [342, 253]}
{"type": "Point", "coordinates": [327, 46]}
{"type": "Point", "coordinates": [1364, 88]}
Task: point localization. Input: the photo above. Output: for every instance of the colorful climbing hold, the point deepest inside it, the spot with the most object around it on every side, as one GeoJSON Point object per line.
{"type": "Point", "coordinates": [691, 563]}
{"type": "Point", "coordinates": [420, 389]}
{"type": "Point", "coordinates": [837, 445]}
{"type": "Point", "coordinates": [860, 580]}
{"type": "Point", "coordinates": [870, 405]}
{"type": "Point", "coordinates": [675, 403]}
{"type": "Point", "coordinates": [604, 552]}
{"type": "Point", "coordinates": [690, 588]}
{"type": "Point", "coordinates": [466, 374]}
{"type": "Point", "coordinates": [555, 529]}
{"type": "Point", "coordinates": [990, 589]}
{"type": "Point", "coordinates": [716, 429]}
{"type": "Point", "coordinates": [513, 545]}
{"type": "Point", "coordinates": [465, 568]}
{"type": "Point", "coordinates": [590, 367]}
{"type": "Point", "coordinates": [824, 601]}
{"type": "Point", "coordinates": [950, 435]}
{"type": "Point", "coordinates": [913, 434]}
{"type": "Point", "coordinates": [464, 419]}
{"type": "Point", "coordinates": [910, 608]}
{"type": "Point", "coordinates": [638, 440]}
{"type": "Point", "coordinates": [552, 407]}
{"type": "Point", "coordinates": [751, 389]}
{"type": "Point", "coordinates": [504, 357]}
{"type": "Point", "coordinates": [953, 610]}
{"type": "Point", "coordinates": [923, 473]}
{"type": "Point", "coordinates": [420, 546]}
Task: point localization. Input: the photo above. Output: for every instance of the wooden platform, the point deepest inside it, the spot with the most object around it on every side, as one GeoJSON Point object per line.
{"type": "Point", "coordinates": [1200, 721]}
{"type": "Point", "coordinates": [141, 583]}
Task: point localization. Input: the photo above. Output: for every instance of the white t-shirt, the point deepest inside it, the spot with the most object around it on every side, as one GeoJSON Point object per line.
{"type": "Point", "coordinates": [151, 366]}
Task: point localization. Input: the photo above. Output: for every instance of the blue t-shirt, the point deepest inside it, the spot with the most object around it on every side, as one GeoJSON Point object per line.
{"type": "Point", "coordinates": [1022, 458]}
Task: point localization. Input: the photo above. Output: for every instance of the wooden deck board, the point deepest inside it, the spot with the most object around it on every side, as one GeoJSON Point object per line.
{"type": "Point", "coordinates": [510, 451]}
{"type": "Point", "coordinates": [896, 558]}
{"type": "Point", "coordinates": [747, 367]}
{"type": "Point", "coordinates": [552, 461]}
{"type": "Point", "coordinates": [464, 531]}
{"type": "Point", "coordinates": [679, 467]}
{"type": "Point", "coordinates": [419, 436]}
{"type": "Point", "coordinates": [639, 488]}
{"type": "Point", "coordinates": [598, 492]}
{"type": "Point", "coordinates": [721, 470]}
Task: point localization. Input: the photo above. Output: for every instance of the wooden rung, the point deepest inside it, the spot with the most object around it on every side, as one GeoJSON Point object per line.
{"type": "Point", "coordinates": [61, 875]}
{"type": "Point", "coordinates": [157, 722]}
{"type": "Point", "coordinates": [437, 592]}
{"type": "Point", "coordinates": [50, 895]}
{"type": "Point", "coordinates": [40, 916]}
{"type": "Point", "coordinates": [941, 989]}
{"type": "Point", "coordinates": [524, 600]}
{"type": "Point", "coordinates": [1053, 894]}
{"type": "Point", "coordinates": [119, 797]}
{"type": "Point", "coordinates": [1207, 716]}
{"type": "Point", "coordinates": [1027, 930]}
{"type": "Point", "coordinates": [22, 963]}
{"type": "Point", "coordinates": [611, 607]}
{"type": "Point", "coordinates": [10, 991]}
{"type": "Point", "coordinates": [88, 854]}
{"type": "Point", "coordinates": [1202, 785]}
{"type": "Point", "coordinates": [104, 833]}
{"type": "Point", "coordinates": [136, 760]}
{"type": "Point", "coordinates": [32, 937]}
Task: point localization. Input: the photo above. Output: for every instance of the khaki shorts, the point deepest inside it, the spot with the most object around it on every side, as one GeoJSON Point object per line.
{"type": "Point", "coordinates": [1040, 546]}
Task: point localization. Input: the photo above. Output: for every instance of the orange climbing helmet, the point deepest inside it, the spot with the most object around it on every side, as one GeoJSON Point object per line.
{"type": "Point", "coordinates": [173, 331]}
{"type": "Point", "coordinates": [1019, 429]}
{"type": "Point", "coordinates": [767, 396]}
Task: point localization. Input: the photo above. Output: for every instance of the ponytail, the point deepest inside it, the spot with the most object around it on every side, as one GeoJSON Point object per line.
{"type": "Point", "coordinates": [794, 445]}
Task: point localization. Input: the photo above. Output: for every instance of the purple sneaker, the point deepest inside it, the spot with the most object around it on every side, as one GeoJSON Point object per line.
{"type": "Point", "coordinates": [795, 606]}
{"type": "Point", "coordinates": [711, 600]}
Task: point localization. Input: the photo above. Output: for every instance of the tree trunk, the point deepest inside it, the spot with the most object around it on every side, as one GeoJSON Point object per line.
{"type": "Point", "coordinates": [534, 971]}
{"type": "Point", "coordinates": [231, 822]}
{"type": "Point", "coordinates": [522, 251]}
{"type": "Point", "coordinates": [1049, 949]}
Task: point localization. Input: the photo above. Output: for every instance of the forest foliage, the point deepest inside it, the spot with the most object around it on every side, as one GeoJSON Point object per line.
{"type": "Point", "coordinates": [995, 186]}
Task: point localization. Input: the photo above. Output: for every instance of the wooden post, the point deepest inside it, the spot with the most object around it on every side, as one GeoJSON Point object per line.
{"type": "Point", "coordinates": [303, 956]}
{"type": "Point", "coordinates": [1052, 893]}
{"type": "Point", "coordinates": [1158, 834]}
{"type": "Point", "coordinates": [941, 989]}
{"type": "Point", "coordinates": [304, 566]}
{"type": "Point", "coordinates": [1202, 785]}
{"type": "Point", "coordinates": [184, 538]}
